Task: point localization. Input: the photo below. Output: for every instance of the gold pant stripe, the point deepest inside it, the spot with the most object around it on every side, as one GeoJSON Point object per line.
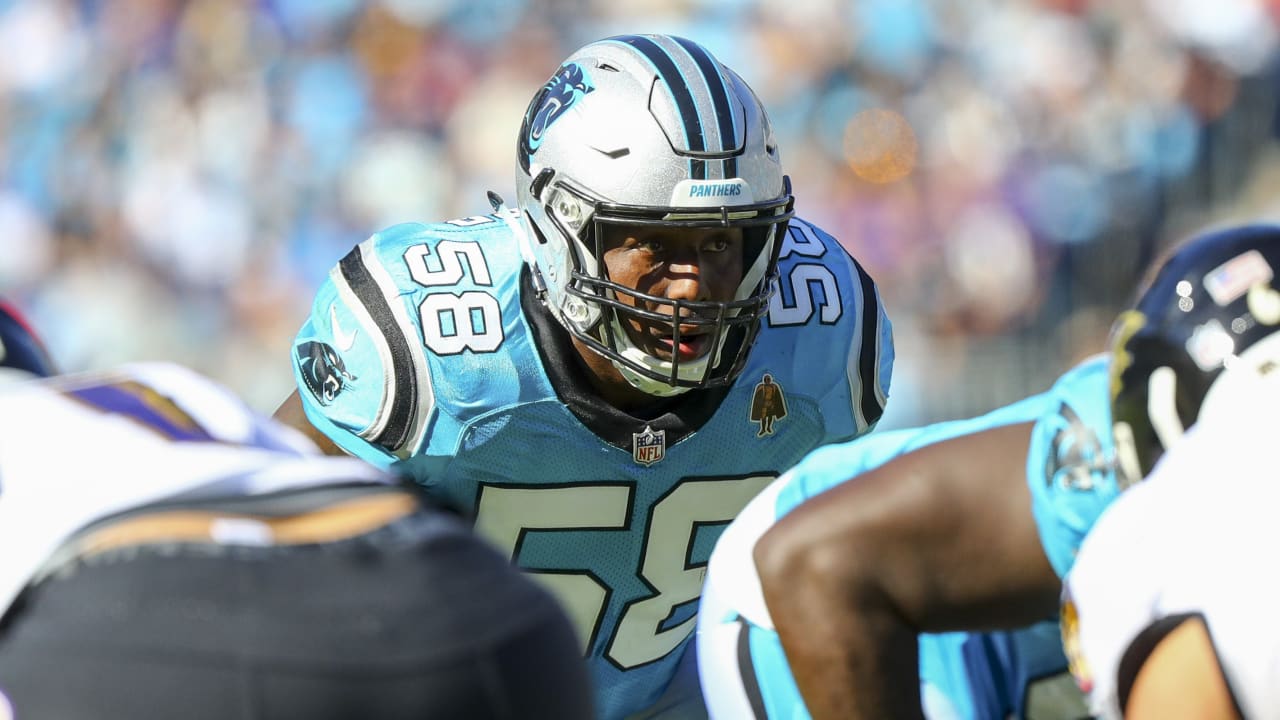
{"type": "Point", "coordinates": [338, 521]}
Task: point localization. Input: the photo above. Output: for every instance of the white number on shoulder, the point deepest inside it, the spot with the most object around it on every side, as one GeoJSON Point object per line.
{"type": "Point", "coordinates": [802, 280]}
{"type": "Point", "coordinates": [446, 268]}
{"type": "Point", "coordinates": [457, 321]}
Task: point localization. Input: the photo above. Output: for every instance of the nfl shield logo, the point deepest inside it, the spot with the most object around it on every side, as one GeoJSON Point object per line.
{"type": "Point", "coordinates": [649, 447]}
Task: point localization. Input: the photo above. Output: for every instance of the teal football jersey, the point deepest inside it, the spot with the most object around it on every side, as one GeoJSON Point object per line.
{"type": "Point", "coordinates": [1071, 461]}
{"type": "Point", "coordinates": [427, 350]}
{"type": "Point", "coordinates": [1070, 471]}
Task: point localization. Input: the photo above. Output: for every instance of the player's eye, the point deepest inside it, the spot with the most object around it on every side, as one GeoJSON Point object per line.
{"type": "Point", "coordinates": [716, 244]}
{"type": "Point", "coordinates": [652, 245]}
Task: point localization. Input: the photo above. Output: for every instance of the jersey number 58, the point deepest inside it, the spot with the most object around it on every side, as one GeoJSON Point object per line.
{"type": "Point", "coordinates": [643, 632]}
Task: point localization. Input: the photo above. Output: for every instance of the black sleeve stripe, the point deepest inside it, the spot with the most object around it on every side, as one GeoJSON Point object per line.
{"type": "Point", "coordinates": [747, 669]}
{"type": "Point", "coordinates": [869, 352]}
{"type": "Point", "coordinates": [1145, 643]}
{"type": "Point", "coordinates": [403, 383]}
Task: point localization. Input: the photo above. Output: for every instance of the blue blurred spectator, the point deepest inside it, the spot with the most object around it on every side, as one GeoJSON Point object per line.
{"type": "Point", "coordinates": [176, 175]}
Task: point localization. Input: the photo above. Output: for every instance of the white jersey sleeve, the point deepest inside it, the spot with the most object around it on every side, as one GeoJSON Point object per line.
{"type": "Point", "coordinates": [1196, 539]}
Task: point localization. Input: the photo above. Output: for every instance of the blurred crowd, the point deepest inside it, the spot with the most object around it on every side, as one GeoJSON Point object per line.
{"type": "Point", "coordinates": [176, 176]}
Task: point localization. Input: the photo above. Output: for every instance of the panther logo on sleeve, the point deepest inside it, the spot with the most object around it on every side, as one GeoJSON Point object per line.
{"type": "Point", "coordinates": [1078, 458]}
{"type": "Point", "coordinates": [323, 370]}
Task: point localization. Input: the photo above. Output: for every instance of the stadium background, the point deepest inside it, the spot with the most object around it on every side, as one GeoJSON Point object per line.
{"type": "Point", "coordinates": [177, 176]}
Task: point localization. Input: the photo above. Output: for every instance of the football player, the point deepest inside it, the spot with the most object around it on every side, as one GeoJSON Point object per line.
{"type": "Point", "coordinates": [1168, 608]}
{"type": "Point", "coordinates": [960, 526]}
{"type": "Point", "coordinates": [1019, 673]}
{"type": "Point", "coordinates": [579, 372]}
{"type": "Point", "coordinates": [22, 353]}
{"type": "Point", "coordinates": [169, 554]}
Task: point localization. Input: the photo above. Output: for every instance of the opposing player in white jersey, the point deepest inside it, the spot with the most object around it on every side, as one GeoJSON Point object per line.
{"type": "Point", "coordinates": [1169, 609]}
{"type": "Point", "coordinates": [22, 353]}
{"type": "Point", "coordinates": [605, 374]}
{"type": "Point", "coordinates": [965, 526]}
{"type": "Point", "coordinates": [169, 554]}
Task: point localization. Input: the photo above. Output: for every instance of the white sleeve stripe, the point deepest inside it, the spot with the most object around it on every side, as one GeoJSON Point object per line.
{"type": "Point", "coordinates": [864, 359]}
{"type": "Point", "coordinates": [366, 323]}
{"type": "Point", "coordinates": [408, 395]}
{"type": "Point", "coordinates": [882, 318]}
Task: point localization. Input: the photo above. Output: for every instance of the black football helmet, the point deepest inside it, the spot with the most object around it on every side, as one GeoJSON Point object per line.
{"type": "Point", "coordinates": [1212, 311]}
{"type": "Point", "coordinates": [20, 348]}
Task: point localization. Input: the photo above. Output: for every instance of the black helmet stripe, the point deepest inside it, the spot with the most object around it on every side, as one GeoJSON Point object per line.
{"type": "Point", "coordinates": [685, 104]}
{"type": "Point", "coordinates": [719, 99]}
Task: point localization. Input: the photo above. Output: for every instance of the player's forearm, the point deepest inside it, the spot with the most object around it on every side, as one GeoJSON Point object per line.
{"type": "Point", "coordinates": [851, 653]}
{"type": "Point", "coordinates": [291, 413]}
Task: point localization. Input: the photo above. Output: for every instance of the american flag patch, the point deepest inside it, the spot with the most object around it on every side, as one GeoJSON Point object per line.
{"type": "Point", "coordinates": [1232, 279]}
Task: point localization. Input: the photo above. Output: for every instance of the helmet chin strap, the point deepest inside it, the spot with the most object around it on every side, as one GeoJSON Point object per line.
{"type": "Point", "coordinates": [691, 370]}
{"type": "Point", "coordinates": [647, 385]}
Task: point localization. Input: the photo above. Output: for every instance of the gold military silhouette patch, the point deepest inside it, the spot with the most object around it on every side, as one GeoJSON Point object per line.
{"type": "Point", "coordinates": [768, 405]}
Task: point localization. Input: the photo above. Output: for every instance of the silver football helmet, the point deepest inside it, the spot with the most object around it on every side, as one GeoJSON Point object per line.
{"type": "Point", "coordinates": [649, 130]}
